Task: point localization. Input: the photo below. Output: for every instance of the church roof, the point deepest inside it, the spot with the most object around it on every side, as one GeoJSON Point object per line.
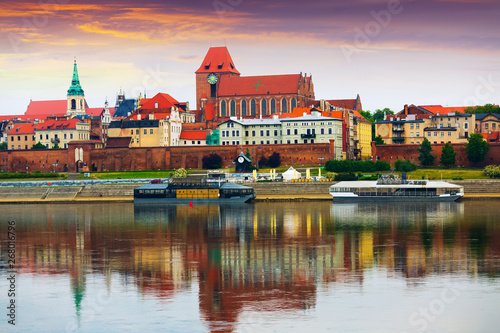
{"type": "Point", "coordinates": [58, 124]}
{"type": "Point", "coordinates": [344, 103]}
{"type": "Point", "coordinates": [259, 85]}
{"type": "Point", "coordinates": [126, 106]}
{"type": "Point", "coordinates": [75, 89]}
{"type": "Point", "coordinates": [97, 112]}
{"type": "Point", "coordinates": [217, 60]}
{"type": "Point", "coordinates": [43, 109]}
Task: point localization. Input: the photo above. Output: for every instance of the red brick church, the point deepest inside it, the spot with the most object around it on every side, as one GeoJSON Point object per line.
{"type": "Point", "coordinates": [221, 91]}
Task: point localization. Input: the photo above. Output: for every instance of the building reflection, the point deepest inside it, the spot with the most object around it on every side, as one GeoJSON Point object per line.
{"type": "Point", "coordinates": [265, 257]}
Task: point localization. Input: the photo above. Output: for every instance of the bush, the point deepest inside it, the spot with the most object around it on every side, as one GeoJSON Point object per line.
{"type": "Point", "coordinates": [492, 171]}
{"type": "Point", "coordinates": [370, 177]}
{"type": "Point", "coordinates": [212, 161]}
{"type": "Point", "coordinates": [37, 174]}
{"type": "Point", "coordinates": [382, 166]}
{"type": "Point", "coordinates": [345, 176]}
{"type": "Point", "coordinates": [404, 166]}
{"type": "Point", "coordinates": [180, 173]}
{"type": "Point", "coordinates": [262, 162]}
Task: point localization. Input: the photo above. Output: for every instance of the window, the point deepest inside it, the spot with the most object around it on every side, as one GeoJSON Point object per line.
{"type": "Point", "coordinates": [25, 138]}
{"type": "Point", "coordinates": [322, 131]}
{"type": "Point", "coordinates": [263, 107]}
{"type": "Point", "coordinates": [268, 142]}
{"type": "Point", "coordinates": [275, 132]}
{"type": "Point", "coordinates": [253, 133]}
{"type": "Point", "coordinates": [46, 136]}
{"type": "Point", "coordinates": [243, 107]}
{"type": "Point", "coordinates": [284, 105]}
{"type": "Point", "coordinates": [151, 131]}
{"type": "Point", "coordinates": [287, 141]}
{"type": "Point", "coordinates": [466, 125]}
{"type": "Point", "coordinates": [418, 134]}
{"type": "Point", "coordinates": [145, 131]}
{"type": "Point", "coordinates": [288, 132]}
{"type": "Point", "coordinates": [411, 134]}
{"type": "Point", "coordinates": [71, 135]}
{"type": "Point", "coordinates": [46, 146]}
{"type": "Point", "coordinates": [294, 104]}
{"type": "Point", "coordinates": [449, 133]}
{"type": "Point", "coordinates": [428, 133]}
{"type": "Point", "coordinates": [442, 133]}
{"type": "Point", "coordinates": [411, 126]}
{"type": "Point", "coordinates": [246, 133]}
{"type": "Point", "coordinates": [237, 133]}
{"type": "Point", "coordinates": [417, 126]}
{"type": "Point", "coordinates": [233, 108]}
{"type": "Point", "coordinates": [223, 108]}
{"type": "Point", "coordinates": [253, 142]}
{"type": "Point", "coordinates": [295, 131]}
{"type": "Point", "coordinates": [65, 136]}
{"type": "Point", "coordinates": [261, 132]}
{"type": "Point", "coordinates": [137, 132]}
{"type": "Point", "coordinates": [273, 105]}
{"type": "Point", "coordinates": [267, 132]}
{"type": "Point", "coordinates": [253, 107]}
{"type": "Point", "coordinates": [233, 133]}
{"type": "Point", "coordinates": [137, 140]}
{"type": "Point", "coordinates": [296, 141]}
{"type": "Point", "coordinates": [435, 133]}
{"type": "Point", "coordinates": [329, 131]}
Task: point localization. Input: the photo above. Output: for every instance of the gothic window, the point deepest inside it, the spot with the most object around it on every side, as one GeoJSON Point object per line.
{"type": "Point", "coordinates": [284, 105]}
{"type": "Point", "coordinates": [233, 108]}
{"type": "Point", "coordinates": [253, 106]}
{"type": "Point", "coordinates": [73, 104]}
{"type": "Point", "coordinates": [263, 107]}
{"type": "Point", "coordinates": [273, 106]}
{"type": "Point", "coordinates": [223, 108]}
{"type": "Point", "coordinates": [294, 104]}
{"type": "Point", "coordinates": [244, 107]}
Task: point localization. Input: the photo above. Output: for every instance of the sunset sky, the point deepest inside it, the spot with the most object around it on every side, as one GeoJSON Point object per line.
{"type": "Point", "coordinates": [389, 52]}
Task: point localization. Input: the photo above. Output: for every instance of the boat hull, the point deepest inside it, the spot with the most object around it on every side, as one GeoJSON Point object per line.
{"type": "Point", "coordinates": [236, 199]}
{"type": "Point", "coordinates": [448, 198]}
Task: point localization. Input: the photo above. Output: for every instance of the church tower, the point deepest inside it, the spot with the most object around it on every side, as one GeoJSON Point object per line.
{"type": "Point", "coordinates": [217, 65]}
{"type": "Point", "coordinates": [76, 96]}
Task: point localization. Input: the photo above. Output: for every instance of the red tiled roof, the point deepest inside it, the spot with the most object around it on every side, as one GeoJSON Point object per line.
{"type": "Point", "coordinates": [217, 60]}
{"type": "Point", "coordinates": [24, 128]}
{"type": "Point", "coordinates": [343, 103]}
{"type": "Point", "coordinates": [259, 85]}
{"type": "Point", "coordinates": [360, 117]}
{"type": "Point", "coordinates": [58, 124]}
{"type": "Point", "coordinates": [442, 110]}
{"type": "Point", "coordinates": [164, 101]}
{"type": "Point", "coordinates": [97, 112]}
{"type": "Point", "coordinates": [193, 135]}
{"type": "Point", "coordinates": [43, 109]}
{"type": "Point", "coordinates": [299, 112]}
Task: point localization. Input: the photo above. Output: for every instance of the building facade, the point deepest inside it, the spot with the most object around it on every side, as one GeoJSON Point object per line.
{"type": "Point", "coordinates": [61, 131]}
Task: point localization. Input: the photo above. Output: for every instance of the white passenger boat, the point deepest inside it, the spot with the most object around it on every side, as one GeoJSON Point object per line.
{"type": "Point", "coordinates": [387, 189]}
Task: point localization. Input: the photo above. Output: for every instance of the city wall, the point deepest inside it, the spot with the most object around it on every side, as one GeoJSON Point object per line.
{"type": "Point", "coordinates": [82, 155]}
{"type": "Point", "coordinates": [391, 153]}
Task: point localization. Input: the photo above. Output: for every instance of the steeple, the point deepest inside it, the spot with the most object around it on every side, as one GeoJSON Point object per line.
{"type": "Point", "coordinates": [76, 96]}
{"type": "Point", "coordinates": [75, 89]}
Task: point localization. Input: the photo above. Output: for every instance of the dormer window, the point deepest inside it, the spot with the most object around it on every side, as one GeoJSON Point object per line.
{"type": "Point", "coordinates": [207, 66]}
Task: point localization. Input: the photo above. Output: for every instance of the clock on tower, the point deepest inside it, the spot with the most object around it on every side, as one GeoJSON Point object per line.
{"type": "Point", "coordinates": [212, 78]}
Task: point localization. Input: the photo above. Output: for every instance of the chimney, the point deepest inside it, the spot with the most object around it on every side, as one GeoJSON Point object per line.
{"type": "Point", "coordinates": [138, 116]}
{"type": "Point", "coordinates": [406, 109]}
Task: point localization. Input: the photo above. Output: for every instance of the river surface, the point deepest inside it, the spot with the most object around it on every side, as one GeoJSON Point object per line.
{"type": "Point", "coordinates": [263, 267]}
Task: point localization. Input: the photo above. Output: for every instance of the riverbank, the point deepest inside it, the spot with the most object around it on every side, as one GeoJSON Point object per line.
{"type": "Point", "coordinates": [310, 191]}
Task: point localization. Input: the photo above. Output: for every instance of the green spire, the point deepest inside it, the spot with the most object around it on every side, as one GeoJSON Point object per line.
{"type": "Point", "coordinates": [75, 89]}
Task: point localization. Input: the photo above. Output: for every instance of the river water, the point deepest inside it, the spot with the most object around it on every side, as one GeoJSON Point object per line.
{"type": "Point", "coordinates": [263, 267]}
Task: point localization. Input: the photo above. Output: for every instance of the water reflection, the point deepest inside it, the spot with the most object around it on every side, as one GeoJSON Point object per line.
{"type": "Point", "coordinates": [261, 257]}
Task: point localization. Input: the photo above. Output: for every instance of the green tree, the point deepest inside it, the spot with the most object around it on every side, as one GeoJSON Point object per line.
{"type": "Point", "coordinates": [367, 115]}
{"type": "Point", "coordinates": [3, 146]}
{"type": "Point", "coordinates": [379, 114]}
{"type": "Point", "coordinates": [426, 158]}
{"type": "Point", "coordinates": [39, 145]}
{"type": "Point", "coordinates": [56, 146]}
{"type": "Point", "coordinates": [448, 155]}
{"type": "Point", "coordinates": [379, 141]}
{"type": "Point", "coordinates": [274, 160]}
{"type": "Point", "coordinates": [212, 161]}
{"type": "Point", "coordinates": [487, 108]}
{"type": "Point", "coordinates": [476, 148]}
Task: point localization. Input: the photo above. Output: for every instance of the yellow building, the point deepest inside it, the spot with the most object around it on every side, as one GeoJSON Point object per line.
{"type": "Point", "coordinates": [59, 132]}
{"type": "Point", "coordinates": [363, 140]}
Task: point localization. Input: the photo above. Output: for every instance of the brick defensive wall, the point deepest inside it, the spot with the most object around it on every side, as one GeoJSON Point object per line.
{"type": "Point", "coordinates": [391, 153]}
{"type": "Point", "coordinates": [121, 159]}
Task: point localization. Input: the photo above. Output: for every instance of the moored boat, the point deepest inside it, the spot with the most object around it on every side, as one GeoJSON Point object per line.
{"type": "Point", "coordinates": [387, 189]}
{"type": "Point", "coordinates": [193, 190]}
